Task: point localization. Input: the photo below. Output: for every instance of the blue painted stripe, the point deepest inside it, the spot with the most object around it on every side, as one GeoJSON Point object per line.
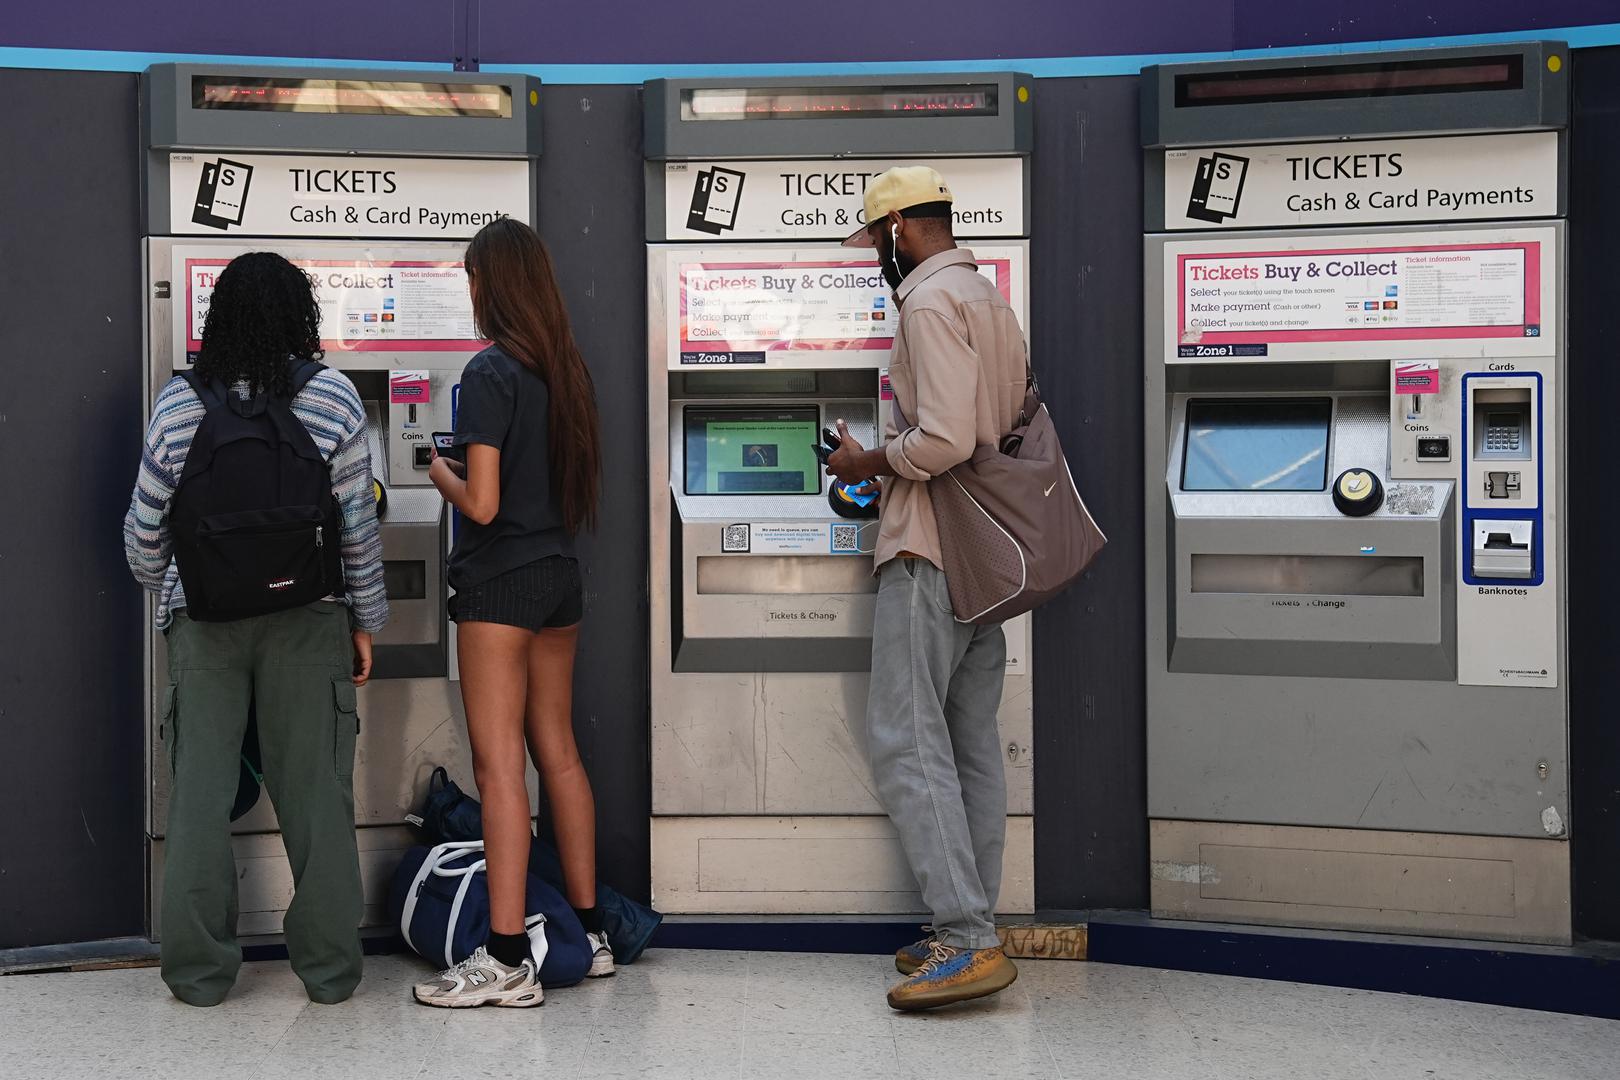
{"type": "Point", "coordinates": [1578, 37]}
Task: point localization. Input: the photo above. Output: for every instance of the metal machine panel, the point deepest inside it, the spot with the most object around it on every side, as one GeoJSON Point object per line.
{"type": "Point", "coordinates": [1516, 86]}
{"type": "Point", "coordinates": [808, 866]}
{"type": "Point", "coordinates": [709, 200]}
{"type": "Point", "coordinates": [411, 713]}
{"type": "Point", "coordinates": [1415, 750]}
{"type": "Point", "coordinates": [1355, 620]}
{"type": "Point", "coordinates": [939, 115]}
{"type": "Point", "coordinates": [1356, 879]}
{"type": "Point", "coordinates": [756, 713]}
{"type": "Point", "coordinates": [443, 113]}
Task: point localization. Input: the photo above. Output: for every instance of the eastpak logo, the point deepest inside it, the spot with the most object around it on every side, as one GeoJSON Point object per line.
{"type": "Point", "coordinates": [284, 583]}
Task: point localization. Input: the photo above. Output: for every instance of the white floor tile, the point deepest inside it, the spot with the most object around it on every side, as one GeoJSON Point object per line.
{"type": "Point", "coordinates": [725, 1016]}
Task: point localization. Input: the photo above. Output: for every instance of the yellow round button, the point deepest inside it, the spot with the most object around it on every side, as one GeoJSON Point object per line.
{"type": "Point", "coordinates": [1023, 93]}
{"type": "Point", "coordinates": [1355, 485]}
{"type": "Point", "coordinates": [1555, 64]}
{"type": "Point", "coordinates": [534, 97]}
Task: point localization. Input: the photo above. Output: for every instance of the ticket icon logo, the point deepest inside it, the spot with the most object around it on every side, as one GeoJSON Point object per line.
{"type": "Point", "coordinates": [715, 194]}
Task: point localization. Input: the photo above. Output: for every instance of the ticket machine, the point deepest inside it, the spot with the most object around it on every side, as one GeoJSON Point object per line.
{"type": "Point", "coordinates": [371, 183]}
{"type": "Point", "coordinates": [761, 332]}
{"type": "Point", "coordinates": [1357, 690]}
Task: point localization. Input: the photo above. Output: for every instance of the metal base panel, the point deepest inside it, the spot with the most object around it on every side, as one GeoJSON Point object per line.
{"type": "Point", "coordinates": [807, 865]}
{"type": "Point", "coordinates": [1485, 887]}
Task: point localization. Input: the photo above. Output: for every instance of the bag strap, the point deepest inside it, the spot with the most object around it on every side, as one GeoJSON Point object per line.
{"type": "Point", "coordinates": [210, 392]}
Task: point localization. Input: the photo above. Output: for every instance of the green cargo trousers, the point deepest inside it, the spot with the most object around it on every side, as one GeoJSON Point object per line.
{"type": "Point", "coordinates": [294, 668]}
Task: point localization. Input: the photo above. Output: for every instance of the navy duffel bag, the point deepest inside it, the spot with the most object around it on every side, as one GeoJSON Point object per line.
{"type": "Point", "coordinates": [440, 901]}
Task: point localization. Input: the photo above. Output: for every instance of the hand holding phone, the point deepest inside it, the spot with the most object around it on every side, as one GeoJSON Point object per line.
{"type": "Point", "coordinates": [828, 446]}
{"type": "Point", "coordinates": [444, 445]}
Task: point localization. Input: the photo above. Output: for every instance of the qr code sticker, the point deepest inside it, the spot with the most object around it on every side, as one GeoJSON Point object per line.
{"type": "Point", "coordinates": [846, 538]}
{"type": "Point", "coordinates": [734, 538]}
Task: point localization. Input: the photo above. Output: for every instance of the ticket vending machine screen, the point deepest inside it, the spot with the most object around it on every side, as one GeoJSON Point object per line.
{"type": "Point", "coordinates": [1276, 444]}
{"type": "Point", "coordinates": [752, 451]}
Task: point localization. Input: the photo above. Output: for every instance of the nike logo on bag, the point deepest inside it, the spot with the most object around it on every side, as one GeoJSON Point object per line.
{"type": "Point", "coordinates": [1048, 491]}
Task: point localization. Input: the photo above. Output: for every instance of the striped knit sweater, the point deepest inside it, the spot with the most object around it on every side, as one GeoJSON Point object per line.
{"type": "Point", "coordinates": [330, 409]}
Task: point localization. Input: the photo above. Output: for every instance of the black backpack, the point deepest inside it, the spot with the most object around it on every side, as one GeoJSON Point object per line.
{"type": "Point", "coordinates": [255, 524]}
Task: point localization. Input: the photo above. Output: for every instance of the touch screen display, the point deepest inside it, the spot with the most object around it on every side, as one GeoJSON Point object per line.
{"type": "Point", "coordinates": [752, 451]}
{"type": "Point", "coordinates": [1269, 444]}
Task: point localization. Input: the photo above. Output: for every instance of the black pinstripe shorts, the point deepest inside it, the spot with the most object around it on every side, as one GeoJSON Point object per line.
{"type": "Point", "coordinates": [542, 594]}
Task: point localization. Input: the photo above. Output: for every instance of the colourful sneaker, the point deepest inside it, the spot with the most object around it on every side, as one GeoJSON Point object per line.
{"type": "Point", "coordinates": [911, 957]}
{"type": "Point", "coordinates": [483, 980]}
{"type": "Point", "coordinates": [952, 975]}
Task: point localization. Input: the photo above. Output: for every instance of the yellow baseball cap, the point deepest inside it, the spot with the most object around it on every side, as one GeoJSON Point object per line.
{"type": "Point", "coordinates": [899, 188]}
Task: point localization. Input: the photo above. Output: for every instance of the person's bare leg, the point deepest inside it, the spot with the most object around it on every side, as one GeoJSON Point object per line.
{"type": "Point", "coordinates": [494, 678]}
{"type": "Point", "coordinates": [550, 729]}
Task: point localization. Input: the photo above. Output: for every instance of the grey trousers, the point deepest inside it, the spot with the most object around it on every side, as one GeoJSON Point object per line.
{"type": "Point", "coordinates": [936, 750]}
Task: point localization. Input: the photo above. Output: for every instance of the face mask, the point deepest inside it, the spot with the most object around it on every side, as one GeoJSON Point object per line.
{"type": "Point", "coordinates": [893, 273]}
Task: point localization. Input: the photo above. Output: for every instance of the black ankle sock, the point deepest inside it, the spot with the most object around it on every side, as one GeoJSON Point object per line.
{"type": "Point", "coordinates": [590, 918]}
{"type": "Point", "coordinates": [509, 949]}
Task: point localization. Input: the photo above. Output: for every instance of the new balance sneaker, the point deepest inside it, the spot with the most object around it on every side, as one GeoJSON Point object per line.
{"type": "Point", "coordinates": [909, 958]}
{"type": "Point", "coordinates": [601, 956]}
{"type": "Point", "coordinates": [483, 980]}
{"type": "Point", "coordinates": [951, 975]}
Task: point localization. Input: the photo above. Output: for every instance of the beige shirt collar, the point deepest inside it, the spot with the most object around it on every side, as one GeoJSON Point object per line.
{"type": "Point", "coordinates": [931, 266]}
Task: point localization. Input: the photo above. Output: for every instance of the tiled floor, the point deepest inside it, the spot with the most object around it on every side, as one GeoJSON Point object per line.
{"type": "Point", "coordinates": [717, 1016]}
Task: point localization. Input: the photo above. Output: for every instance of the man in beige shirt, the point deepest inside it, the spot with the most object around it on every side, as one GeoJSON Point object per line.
{"type": "Point", "coordinates": [958, 371]}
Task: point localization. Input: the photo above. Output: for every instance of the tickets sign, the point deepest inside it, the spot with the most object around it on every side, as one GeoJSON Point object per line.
{"type": "Point", "coordinates": [366, 305]}
{"type": "Point", "coordinates": [822, 200]}
{"type": "Point", "coordinates": [737, 312]}
{"type": "Point", "coordinates": [315, 195]}
{"type": "Point", "coordinates": [1380, 180]}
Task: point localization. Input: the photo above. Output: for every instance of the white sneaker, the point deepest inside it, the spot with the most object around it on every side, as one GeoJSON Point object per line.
{"type": "Point", "coordinates": [601, 956]}
{"type": "Point", "coordinates": [483, 980]}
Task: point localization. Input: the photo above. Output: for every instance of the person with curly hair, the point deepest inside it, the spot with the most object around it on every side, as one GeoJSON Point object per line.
{"type": "Point", "coordinates": [297, 669]}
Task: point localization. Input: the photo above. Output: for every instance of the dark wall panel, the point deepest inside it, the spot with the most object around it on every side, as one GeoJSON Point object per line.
{"type": "Point", "coordinates": [1086, 343]}
{"type": "Point", "coordinates": [71, 855]}
{"type": "Point", "coordinates": [1593, 518]}
{"type": "Point", "coordinates": [591, 218]}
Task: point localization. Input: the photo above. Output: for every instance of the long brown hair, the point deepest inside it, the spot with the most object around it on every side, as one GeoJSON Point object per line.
{"type": "Point", "coordinates": [517, 306]}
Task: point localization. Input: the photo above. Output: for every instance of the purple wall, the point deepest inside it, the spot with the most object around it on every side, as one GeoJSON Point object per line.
{"type": "Point", "coordinates": [751, 31]}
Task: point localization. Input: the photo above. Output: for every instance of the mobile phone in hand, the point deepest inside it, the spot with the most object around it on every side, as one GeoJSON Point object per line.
{"type": "Point", "coordinates": [830, 442]}
{"type": "Point", "coordinates": [444, 445]}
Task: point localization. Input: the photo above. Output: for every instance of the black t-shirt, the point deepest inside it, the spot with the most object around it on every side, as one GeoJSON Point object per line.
{"type": "Point", "coordinates": [505, 405]}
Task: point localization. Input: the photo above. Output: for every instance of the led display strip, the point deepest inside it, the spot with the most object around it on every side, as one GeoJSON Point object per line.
{"type": "Point", "coordinates": [1365, 80]}
{"type": "Point", "coordinates": [360, 97]}
{"type": "Point", "coordinates": [838, 102]}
